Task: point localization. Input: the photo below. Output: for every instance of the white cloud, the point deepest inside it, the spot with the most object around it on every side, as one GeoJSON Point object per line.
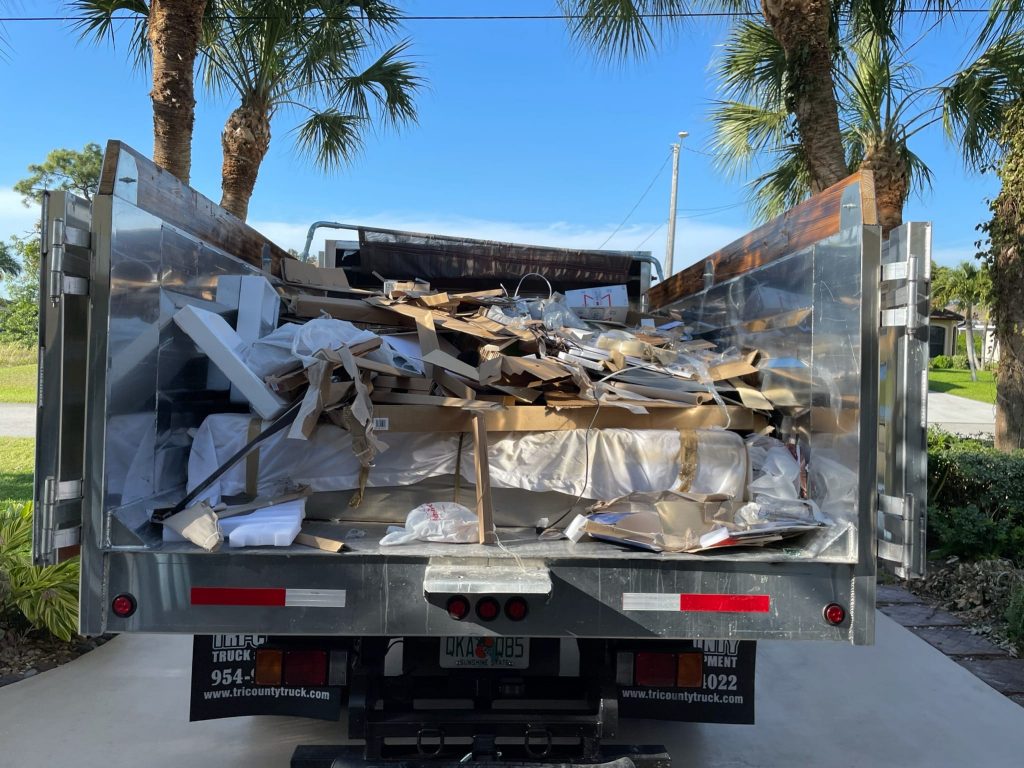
{"type": "Point", "coordinates": [693, 240]}
{"type": "Point", "coordinates": [15, 218]}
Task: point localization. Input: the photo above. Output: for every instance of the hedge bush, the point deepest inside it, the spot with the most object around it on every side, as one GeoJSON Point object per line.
{"type": "Point", "coordinates": [975, 498]}
{"type": "Point", "coordinates": [959, 363]}
{"type": "Point", "coordinates": [942, 362]}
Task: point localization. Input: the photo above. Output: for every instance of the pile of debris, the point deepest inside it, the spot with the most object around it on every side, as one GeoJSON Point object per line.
{"type": "Point", "coordinates": [558, 379]}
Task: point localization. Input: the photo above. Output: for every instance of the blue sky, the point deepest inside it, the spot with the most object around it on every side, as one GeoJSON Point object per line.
{"type": "Point", "coordinates": [522, 136]}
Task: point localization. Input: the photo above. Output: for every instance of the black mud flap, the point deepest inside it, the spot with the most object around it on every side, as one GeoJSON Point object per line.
{"type": "Point", "coordinates": [695, 681]}
{"type": "Point", "coordinates": [352, 757]}
{"type": "Point", "coordinates": [224, 682]}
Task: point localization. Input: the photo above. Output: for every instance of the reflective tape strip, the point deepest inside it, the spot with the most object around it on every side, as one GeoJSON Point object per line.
{"type": "Point", "coordinates": [272, 597]}
{"type": "Point", "coordinates": [315, 598]}
{"type": "Point", "coordinates": [655, 601]}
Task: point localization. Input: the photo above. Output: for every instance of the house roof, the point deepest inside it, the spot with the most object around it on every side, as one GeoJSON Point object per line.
{"type": "Point", "coordinates": [945, 314]}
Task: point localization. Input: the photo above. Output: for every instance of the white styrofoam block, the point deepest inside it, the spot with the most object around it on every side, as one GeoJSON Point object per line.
{"type": "Point", "coordinates": [223, 346]}
{"type": "Point", "coordinates": [275, 526]}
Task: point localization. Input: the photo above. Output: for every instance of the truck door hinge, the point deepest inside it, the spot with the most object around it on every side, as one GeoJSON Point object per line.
{"type": "Point", "coordinates": [54, 493]}
{"type": "Point", "coordinates": [63, 237]}
{"type": "Point", "coordinates": [900, 509]}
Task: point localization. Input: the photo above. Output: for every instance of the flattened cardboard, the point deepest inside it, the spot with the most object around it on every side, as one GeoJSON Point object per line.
{"type": "Point", "coordinates": [353, 310]}
{"type": "Point", "coordinates": [743, 367]}
{"type": "Point", "coordinates": [325, 278]}
{"type": "Point", "coordinates": [319, 542]}
{"type": "Point", "coordinates": [609, 303]}
{"type": "Point", "coordinates": [222, 345]}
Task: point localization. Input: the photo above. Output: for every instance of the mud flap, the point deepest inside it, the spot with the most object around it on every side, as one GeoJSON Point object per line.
{"type": "Point", "coordinates": [697, 681]}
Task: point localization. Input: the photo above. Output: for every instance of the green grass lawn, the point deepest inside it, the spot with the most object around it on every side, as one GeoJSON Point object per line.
{"type": "Point", "coordinates": [959, 383]}
{"type": "Point", "coordinates": [18, 384]}
{"type": "Point", "coordinates": [17, 459]}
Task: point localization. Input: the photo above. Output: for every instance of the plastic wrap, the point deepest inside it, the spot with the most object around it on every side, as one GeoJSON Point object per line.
{"type": "Point", "coordinates": [440, 521]}
{"type": "Point", "coordinates": [621, 461]}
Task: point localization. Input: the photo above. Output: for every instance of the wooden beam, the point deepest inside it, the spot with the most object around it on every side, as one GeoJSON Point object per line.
{"type": "Point", "coordinates": [484, 504]}
{"type": "Point", "coordinates": [158, 192]}
{"type": "Point", "coordinates": [812, 220]}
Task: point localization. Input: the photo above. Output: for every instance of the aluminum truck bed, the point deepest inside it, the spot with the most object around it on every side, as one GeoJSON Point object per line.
{"type": "Point", "coordinates": [841, 334]}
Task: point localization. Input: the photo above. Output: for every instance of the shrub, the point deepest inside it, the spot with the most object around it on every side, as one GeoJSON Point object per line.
{"type": "Point", "coordinates": [1015, 616]}
{"type": "Point", "coordinates": [942, 362]}
{"type": "Point", "coordinates": [46, 597]}
{"type": "Point", "coordinates": [959, 363]}
{"type": "Point", "coordinates": [976, 498]}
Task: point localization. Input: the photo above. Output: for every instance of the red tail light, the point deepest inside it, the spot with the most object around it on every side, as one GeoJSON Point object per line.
{"type": "Point", "coordinates": [656, 670]}
{"type": "Point", "coordinates": [835, 614]}
{"type": "Point", "coordinates": [516, 608]}
{"type": "Point", "coordinates": [488, 608]}
{"type": "Point", "coordinates": [123, 606]}
{"type": "Point", "coordinates": [305, 668]}
{"type": "Point", "coordinates": [458, 607]}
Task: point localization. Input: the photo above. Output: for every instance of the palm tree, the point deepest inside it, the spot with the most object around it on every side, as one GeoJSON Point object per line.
{"type": "Point", "coordinates": [881, 111]}
{"type": "Point", "coordinates": [984, 106]}
{"type": "Point", "coordinates": [9, 266]}
{"type": "Point", "coordinates": [303, 57]}
{"type": "Point", "coordinates": [803, 34]}
{"type": "Point", "coordinates": [967, 286]}
{"type": "Point", "coordinates": [165, 33]}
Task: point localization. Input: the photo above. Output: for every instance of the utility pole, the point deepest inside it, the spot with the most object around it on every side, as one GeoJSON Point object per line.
{"type": "Point", "coordinates": [670, 244]}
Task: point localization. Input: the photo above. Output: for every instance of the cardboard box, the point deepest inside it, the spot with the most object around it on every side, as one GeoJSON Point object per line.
{"type": "Point", "coordinates": [610, 303]}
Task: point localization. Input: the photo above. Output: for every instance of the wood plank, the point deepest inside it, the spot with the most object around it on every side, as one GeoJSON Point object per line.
{"type": "Point", "coordinates": [158, 192]}
{"type": "Point", "coordinates": [801, 226]}
{"type": "Point", "coordinates": [538, 418]}
{"type": "Point", "coordinates": [353, 310]}
{"type": "Point", "coordinates": [484, 504]}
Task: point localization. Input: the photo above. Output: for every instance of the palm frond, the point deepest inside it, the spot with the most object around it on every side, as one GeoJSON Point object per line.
{"type": "Point", "coordinates": [621, 29]}
{"type": "Point", "coordinates": [390, 81]}
{"type": "Point", "coordinates": [331, 137]}
{"type": "Point", "coordinates": [975, 103]}
{"type": "Point", "coordinates": [97, 24]}
{"type": "Point", "coordinates": [742, 131]}
{"type": "Point", "coordinates": [784, 185]}
{"type": "Point", "coordinates": [752, 63]}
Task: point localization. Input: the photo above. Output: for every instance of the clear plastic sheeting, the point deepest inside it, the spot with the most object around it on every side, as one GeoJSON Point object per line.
{"type": "Point", "coordinates": [618, 461]}
{"type": "Point", "coordinates": [441, 521]}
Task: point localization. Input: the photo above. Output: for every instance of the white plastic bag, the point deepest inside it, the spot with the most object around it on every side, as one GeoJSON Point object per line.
{"type": "Point", "coordinates": [290, 344]}
{"type": "Point", "coordinates": [780, 475]}
{"type": "Point", "coordinates": [441, 521]}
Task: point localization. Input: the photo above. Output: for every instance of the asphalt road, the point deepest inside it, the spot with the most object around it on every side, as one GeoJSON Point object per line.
{"type": "Point", "coordinates": [17, 420]}
{"type": "Point", "coordinates": [897, 703]}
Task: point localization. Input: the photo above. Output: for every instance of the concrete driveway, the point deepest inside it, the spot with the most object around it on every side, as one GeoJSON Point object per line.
{"type": "Point", "coordinates": [17, 420]}
{"type": "Point", "coordinates": [960, 415]}
{"type": "Point", "coordinates": [898, 703]}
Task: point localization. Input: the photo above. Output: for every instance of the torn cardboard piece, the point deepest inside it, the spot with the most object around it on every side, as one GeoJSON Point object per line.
{"type": "Point", "coordinates": [325, 278]}
{"type": "Point", "coordinates": [197, 524]}
{"type": "Point", "coordinates": [319, 542]}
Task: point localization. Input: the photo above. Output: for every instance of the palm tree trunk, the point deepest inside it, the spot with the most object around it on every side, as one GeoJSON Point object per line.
{"type": "Point", "coordinates": [972, 361]}
{"type": "Point", "coordinates": [802, 29]}
{"type": "Point", "coordinates": [245, 141]}
{"type": "Point", "coordinates": [892, 181]}
{"type": "Point", "coordinates": [175, 27]}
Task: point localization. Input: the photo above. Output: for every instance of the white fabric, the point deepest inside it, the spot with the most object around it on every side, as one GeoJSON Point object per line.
{"type": "Point", "coordinates": [622, 461]}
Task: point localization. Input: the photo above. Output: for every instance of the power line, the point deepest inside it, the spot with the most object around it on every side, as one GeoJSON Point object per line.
{"type": "Point", "coordinates": [637, 204]}
{"type": "Point", "coordinates": [502, 17]}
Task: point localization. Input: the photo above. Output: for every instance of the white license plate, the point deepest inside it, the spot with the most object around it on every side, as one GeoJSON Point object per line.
{"type": "Point", "coordinates": [485, 652]}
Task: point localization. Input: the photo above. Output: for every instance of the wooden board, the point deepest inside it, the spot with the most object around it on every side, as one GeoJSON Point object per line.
{"type": "Point", "coordinates": [484, 504]}
{"type": "Point", "coordinates": [538, 418]}
{"type": "Point", "coordinates": [158, 192]}
{"type": "Point", "coordinates": [802, 226]}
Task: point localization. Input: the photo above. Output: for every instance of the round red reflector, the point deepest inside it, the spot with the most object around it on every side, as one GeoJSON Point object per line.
{"type": "Point", "coordinates": [516, 608]}
{"type": "Point", "coordinates": [488, 609]}
{"type": "Point", "coordinates": [123, 606]}
{"type": "Point", "coordinates": [458, 607]}
{"type": "Point", "coordinates": [835, 614]}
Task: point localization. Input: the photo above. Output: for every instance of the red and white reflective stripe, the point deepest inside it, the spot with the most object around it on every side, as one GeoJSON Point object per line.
{"type": "Point", "coordinates": [656, 601]}
{"type": "Point", "coordinates": [273, 597]}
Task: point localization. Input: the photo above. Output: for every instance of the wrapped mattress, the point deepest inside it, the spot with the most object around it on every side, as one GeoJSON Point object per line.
{"type": "Point", "coordinates": [616, 462]}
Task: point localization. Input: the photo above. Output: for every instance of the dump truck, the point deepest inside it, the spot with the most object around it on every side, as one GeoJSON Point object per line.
{"type": "Point", "coordinates": [532, 648]}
